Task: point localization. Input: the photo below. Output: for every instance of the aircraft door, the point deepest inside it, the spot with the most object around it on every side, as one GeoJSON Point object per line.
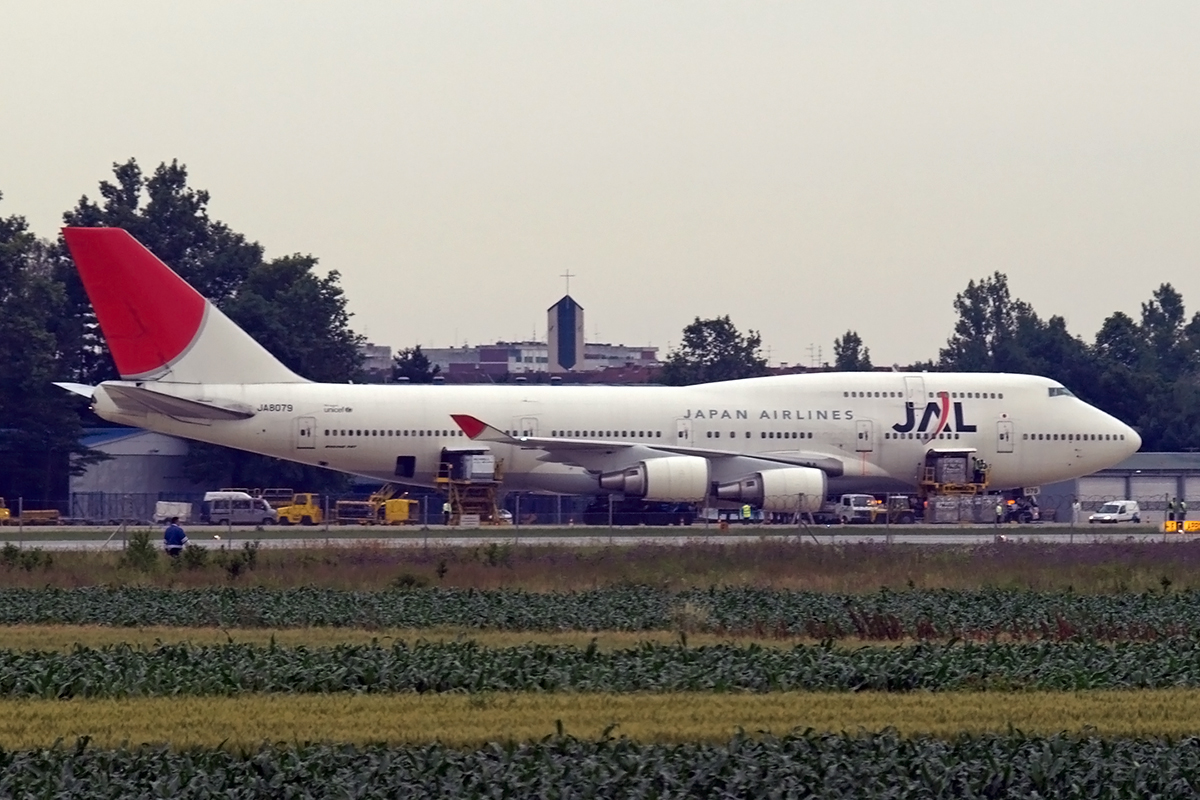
{"type": "Point", "coordinates": [865, 441]}
{"type": "Point", "coordinates": [527, 426]}
{"type": "Point", "coordinates": [304, 430]}
{"type": "Point", "coordinates": [914, 390]}
{"type": "Point", "coordinates": [683, 432]}
{"type": "Point", "coordinates": [1004, 436]}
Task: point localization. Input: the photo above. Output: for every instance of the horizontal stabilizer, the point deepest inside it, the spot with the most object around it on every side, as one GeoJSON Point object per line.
{"type": "Point", "coordinates": [81, 389]}
{"type": "Point", "coordinates": [137, 399]}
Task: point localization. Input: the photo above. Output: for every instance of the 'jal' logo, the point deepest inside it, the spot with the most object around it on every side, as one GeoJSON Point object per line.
{"type": "Point", "coordinates": [939, 411]}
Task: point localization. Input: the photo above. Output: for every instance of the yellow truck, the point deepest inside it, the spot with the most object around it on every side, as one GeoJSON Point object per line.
{"type": "Point", "coordinates": [5, 515]}
{"type": "Point", "coordinates": [303, 509]}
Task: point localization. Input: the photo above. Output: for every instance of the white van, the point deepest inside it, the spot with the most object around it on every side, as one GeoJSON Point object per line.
{"type": "Point", "coordinates": [237, 508]}
{"type": "Point", "coordinates": [1118, 511]}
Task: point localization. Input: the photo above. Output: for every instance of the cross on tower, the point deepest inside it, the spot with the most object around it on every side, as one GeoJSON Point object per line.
{"type": "Point", "coordinates": [568, 276]}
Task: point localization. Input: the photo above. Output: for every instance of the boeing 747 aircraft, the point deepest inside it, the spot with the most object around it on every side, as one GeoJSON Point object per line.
{"type": "Point", "coordinates": [782, 443]}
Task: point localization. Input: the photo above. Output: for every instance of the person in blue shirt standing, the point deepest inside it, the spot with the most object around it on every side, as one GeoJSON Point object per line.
{"type": "Point", "coordinates": [174, 539]}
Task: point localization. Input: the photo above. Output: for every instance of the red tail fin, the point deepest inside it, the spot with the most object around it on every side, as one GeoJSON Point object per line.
{"type": "Point", "coordinates": [149, 314]}
{"type": "Point", "coordinates": [157, 326]}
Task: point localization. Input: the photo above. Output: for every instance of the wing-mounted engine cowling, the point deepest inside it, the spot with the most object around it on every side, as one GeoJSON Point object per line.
{"type": "Point", "coordinates": [788, 489]}
{"type": "Point", "coordinates": [672, 478]}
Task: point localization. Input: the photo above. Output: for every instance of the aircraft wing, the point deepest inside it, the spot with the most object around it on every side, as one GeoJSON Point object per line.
{"type": "Point", "coordinates": [596, 454]}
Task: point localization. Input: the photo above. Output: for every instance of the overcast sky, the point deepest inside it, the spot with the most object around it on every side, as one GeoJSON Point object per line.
{"type": "Point", "coordinates": [806, 168]}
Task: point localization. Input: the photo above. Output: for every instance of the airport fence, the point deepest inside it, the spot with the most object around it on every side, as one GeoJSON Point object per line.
{"type": "Point", "coordinates": [112, 508]}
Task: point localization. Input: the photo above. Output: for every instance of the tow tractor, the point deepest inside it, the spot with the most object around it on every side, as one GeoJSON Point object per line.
{"type": "Point", "coordinates": [303, 508]}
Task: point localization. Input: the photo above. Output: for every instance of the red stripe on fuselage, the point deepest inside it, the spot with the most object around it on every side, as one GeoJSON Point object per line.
{"type": "Point", "coordinates": [149, 315]}
{"type": "Point", "coordinates": [944, 418]}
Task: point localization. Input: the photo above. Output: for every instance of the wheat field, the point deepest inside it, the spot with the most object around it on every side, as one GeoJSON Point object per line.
{"type": "Point", "coordinates": [469, 720]}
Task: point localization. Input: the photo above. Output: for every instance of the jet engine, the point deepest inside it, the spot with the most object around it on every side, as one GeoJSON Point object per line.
{"type": "Point", "coordinates": [784, 489]}
{"type": "Point", "coordinates": [677, 478]}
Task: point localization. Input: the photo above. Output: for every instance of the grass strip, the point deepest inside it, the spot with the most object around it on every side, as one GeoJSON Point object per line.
{"type": "Point", "coordinates": [469, 721]}
{"type": "Point", "coordinates": [533, 565]}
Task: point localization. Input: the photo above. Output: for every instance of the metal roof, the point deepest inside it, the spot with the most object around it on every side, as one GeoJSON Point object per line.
{"type": "Point", "coordinates": [94, 437]}
{"type": "Point", "coordinates": [1157, 462]}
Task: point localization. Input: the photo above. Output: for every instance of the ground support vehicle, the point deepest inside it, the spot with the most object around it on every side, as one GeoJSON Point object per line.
{"type": "Point", "coordinates": [5, 514]}
{"type": "Point", "coordinates": [276, 498]}
{"type": "Point", "coordinates": [471, 480]}
{"type": "Point", "coordinates": [236, 508]}
{"type": "Point", "coordinates": [896, 510]}
{"type": "Point", "coordinates": [166, 509]}
{"type": "Point", "coordinates": [855, 508]}
{"type": "Point", "coordinates": [304, 508]}
{"type": "Point", "coordinates": [46, 516]}
{"type": "Point", "coordinates": [1021, 509]}
{"type": "Point", "coordinates": [381, 508]}
{"type": "Point", "coordinates": [639, 512]}
{"type": "Point", "coordinates": [1117, 511]}
{"type": "Point", "coordinates": [954, 472]}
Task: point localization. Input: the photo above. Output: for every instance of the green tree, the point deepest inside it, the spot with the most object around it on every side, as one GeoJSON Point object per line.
{"type": "Point", "coordinates": [40, 429]}
{"type": "Point", "coordinates": [985, 336]}
{"type": "Point", "coordinates": [714, 350]}
{"type": "Point", "coordinates": [412, 364]}
{"type": "Point", "coordinates": [996, 332]}
{"type": "Point", "coordinates": [1165, 333]}
{"type": "Point", "coordinates": [299, 317]}
{"type": "Point", "coordinates": [849, 355]}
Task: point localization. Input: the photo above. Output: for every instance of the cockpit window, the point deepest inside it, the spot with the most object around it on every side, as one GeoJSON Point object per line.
{"type": "Point", "coordinates": [1060, 391]}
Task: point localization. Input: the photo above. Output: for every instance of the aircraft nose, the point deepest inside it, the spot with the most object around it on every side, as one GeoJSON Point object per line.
{"type": "Point", "coordinates": [1133, 440]}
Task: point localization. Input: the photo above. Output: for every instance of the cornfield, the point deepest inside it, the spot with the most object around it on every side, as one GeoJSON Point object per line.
{"type": "Point", "coordinates": [185, 669]}
{"type": "Point", "coordinates": [802, 764]}
{"type": "Point", "coordinates": [884, 615]}
{"type": "Point", "coordinates": [991, 644]}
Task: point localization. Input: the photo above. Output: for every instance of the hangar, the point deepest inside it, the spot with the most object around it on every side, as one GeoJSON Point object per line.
{"type": "Point", "coordinates": [142, 468]}
{"type": "Point", "coordinates": [1150, 478]}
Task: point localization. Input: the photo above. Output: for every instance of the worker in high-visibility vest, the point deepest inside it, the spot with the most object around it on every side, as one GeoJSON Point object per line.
{"type": "Point", "coordinates": [446, 513]}
{"type": "Point", "coordinates": [1182, 510]}
{"type": "Point", "coordinates": [1171, 510]}
{"type": "Point", "coordinates": [747, 512]}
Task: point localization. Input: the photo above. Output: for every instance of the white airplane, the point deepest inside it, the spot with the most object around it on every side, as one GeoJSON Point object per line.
{"type": "Point", "coordinates": [782, 443]}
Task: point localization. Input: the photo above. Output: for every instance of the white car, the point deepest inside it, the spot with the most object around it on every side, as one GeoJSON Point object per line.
{"type": "Point", "coordinates": [1118, 511]}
